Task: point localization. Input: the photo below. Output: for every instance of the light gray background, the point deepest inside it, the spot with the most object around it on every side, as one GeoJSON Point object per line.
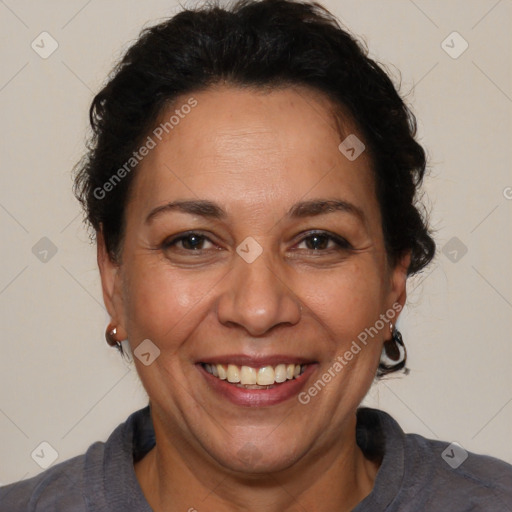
{"type": "Point", "coordinates": [63, 385]}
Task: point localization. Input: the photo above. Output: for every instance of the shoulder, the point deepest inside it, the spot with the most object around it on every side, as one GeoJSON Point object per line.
{"type": "Point", "coordinates": [78, 484]}
{"type": "Point", "coordinates": [448, 475]}
{"type": "Point", "coordinates": [57, 489]}
{"type": "Point", "coordinates": [418, 473]}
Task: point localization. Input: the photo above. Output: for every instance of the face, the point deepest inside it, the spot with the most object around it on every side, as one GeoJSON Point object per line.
{"type": "Point", "coordinates": [253, 241]}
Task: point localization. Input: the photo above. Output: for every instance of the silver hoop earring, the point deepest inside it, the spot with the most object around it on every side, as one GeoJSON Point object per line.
{"type": "Point", "coordinates": [394, 354]}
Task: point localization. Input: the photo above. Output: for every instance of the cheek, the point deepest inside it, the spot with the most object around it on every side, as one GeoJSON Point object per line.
{"type": "Point", "coordinates": [164, 303]}
{"type": "Point", "coordinates": [348, 303]}
{"type": "Point", "coordinates": [349, 298]}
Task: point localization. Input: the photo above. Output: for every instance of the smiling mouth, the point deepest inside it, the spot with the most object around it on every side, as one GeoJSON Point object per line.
{"type": "Point", "coordinates": [265, 377]}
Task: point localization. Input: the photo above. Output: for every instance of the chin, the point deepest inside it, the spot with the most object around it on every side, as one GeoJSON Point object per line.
{"type": "Point", "coordinates": [251, 459]}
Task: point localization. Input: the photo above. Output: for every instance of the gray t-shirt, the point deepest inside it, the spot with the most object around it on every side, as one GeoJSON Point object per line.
{"type": "Point", "coordinates": [414, 475]}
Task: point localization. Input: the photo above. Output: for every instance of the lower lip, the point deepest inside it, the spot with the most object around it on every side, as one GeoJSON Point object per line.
{"type": "Point", "coordinates": [258, 397]}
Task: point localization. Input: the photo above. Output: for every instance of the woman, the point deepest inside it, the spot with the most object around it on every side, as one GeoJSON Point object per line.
{"type": "Point", "coordinates": [251, 182]}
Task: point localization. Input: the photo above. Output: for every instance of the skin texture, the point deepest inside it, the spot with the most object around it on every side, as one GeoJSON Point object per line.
{"type": "Point", "coordinates": [255, 154]}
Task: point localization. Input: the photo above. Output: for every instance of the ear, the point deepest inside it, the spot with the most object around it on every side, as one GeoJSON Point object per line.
{"type": "Point", "coordinates": [398, 280]}
{"type": "Point", "coordinates": [111, 285]}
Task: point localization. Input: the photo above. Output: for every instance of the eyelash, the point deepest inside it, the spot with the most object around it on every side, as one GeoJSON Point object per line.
{"type": "Point", "coordinates": [341, 243]}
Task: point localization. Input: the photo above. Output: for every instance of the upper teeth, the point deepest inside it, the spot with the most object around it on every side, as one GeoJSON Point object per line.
{"type": "Point", "coordinates": [246, 375]}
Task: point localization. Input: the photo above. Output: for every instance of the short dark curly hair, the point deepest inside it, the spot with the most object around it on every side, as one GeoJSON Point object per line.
{"type": "Point", "coordinates": [260, 44]}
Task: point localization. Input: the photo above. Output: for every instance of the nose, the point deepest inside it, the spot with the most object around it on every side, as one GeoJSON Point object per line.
{"type": "Point", "coordinates": [257, 298]}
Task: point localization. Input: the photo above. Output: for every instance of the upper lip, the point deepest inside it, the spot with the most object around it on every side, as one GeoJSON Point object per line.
{"type": "Point", "coordinates": [256, 361]}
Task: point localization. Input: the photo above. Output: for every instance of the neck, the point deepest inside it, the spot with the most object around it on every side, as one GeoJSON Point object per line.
{"type": "Point", "coordinates": [176, 476]}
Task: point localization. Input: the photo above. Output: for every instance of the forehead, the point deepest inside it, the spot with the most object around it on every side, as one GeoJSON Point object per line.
{"type": "Point", "coordinates": [251, 146]}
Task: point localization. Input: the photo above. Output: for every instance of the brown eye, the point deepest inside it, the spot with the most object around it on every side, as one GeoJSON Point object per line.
{"type": "Point", "coordinates": [324, 242]}
{"type": "Point", "coordinates": [316, 242]}
{"type": "Point", "coordinates": [188, 242]}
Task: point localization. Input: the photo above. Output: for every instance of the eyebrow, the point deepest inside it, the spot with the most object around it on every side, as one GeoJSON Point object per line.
{"type": "Point", "coordinates": [209, 209]}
